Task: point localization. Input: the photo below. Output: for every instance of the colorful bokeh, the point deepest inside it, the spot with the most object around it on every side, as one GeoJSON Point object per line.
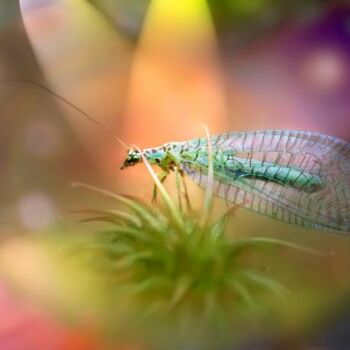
{"type": "Point", "coordinates": [150, 72]}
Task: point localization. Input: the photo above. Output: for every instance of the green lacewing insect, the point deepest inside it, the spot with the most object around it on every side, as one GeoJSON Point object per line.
{"type": "Point", "coordinates": [298, 177]}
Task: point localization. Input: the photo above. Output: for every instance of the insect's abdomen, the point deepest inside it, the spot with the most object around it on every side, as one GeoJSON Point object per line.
{"type": "Point", "coordinates": [288, 177]}
{"type": "Point", "coordinates": [283, 175]}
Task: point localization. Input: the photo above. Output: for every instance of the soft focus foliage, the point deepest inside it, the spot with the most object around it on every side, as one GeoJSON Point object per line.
{"type": "Point", "coordinates": [183, 280]}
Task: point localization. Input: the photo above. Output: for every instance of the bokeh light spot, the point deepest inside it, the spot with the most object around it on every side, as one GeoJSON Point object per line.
{"type": "Point", "coordinates": [324, 70]}
{"type": "Point", "coordinates": [36, 211]}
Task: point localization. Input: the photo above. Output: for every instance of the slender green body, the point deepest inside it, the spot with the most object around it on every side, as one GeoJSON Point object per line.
{"type": "Point", "coordinates": [247, 168]}
{"type": "Point", "coordinates": [297, 177]}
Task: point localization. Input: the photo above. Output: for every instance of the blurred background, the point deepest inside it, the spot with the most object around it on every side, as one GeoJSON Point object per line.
{"type": "Point", "coordinates": [151, 72]}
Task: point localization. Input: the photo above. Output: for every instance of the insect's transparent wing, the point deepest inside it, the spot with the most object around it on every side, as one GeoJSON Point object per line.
{"type": "Point", "coordinates": [315, 153]}
{"type": "Point", "coordinates": [248, 199]}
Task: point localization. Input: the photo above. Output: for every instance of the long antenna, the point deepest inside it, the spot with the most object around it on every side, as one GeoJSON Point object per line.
{"type": "Point", "coordinates": [67, 102]}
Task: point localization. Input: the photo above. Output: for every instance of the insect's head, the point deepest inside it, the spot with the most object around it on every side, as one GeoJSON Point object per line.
{"type": "Point", "coordinates": [133, 158]}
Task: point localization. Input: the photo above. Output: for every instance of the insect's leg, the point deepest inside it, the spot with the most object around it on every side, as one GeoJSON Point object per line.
{"type": "Point", "coordinates": [178, 187]}
{"type": "Point", "coordinates": [226, 196]}
{"type": "Point", "coordinates": [161, 176]}
{"type": "Point", "coordinates": [176, 162]}
{"type": "Point", "coordinates": [187, 198]}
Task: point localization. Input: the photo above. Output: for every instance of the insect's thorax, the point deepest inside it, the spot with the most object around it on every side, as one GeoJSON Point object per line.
{"type": "Point", "coordinates": [154, 155]}
{"type": "Point", "coordinates": [167, 156]}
